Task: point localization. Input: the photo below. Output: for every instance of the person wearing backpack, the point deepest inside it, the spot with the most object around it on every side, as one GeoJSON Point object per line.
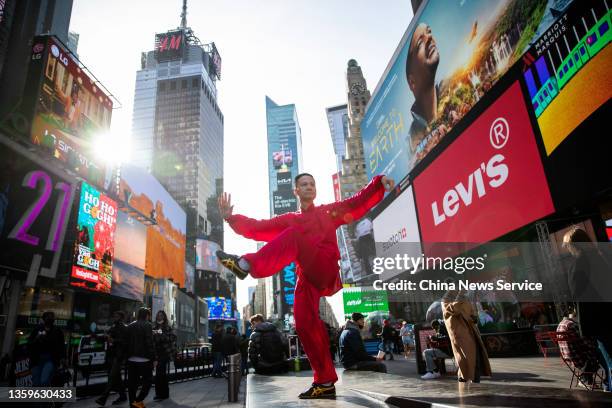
{"type": "Point", "coordinates": [267, 349]}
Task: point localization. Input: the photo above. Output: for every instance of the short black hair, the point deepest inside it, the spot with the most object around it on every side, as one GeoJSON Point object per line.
{"type": "Point", "coordinates": [435, 323]}
{"type": "Point", "coordinates": [357, 316]}
{"type": "Point", "coordinates": [143, 313]}
{"type": "Point", "coordinates": [299, 176]}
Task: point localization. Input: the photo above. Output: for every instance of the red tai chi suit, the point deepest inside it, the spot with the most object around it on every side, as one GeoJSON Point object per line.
{"type": "Point", "coordinates": [308, 237]}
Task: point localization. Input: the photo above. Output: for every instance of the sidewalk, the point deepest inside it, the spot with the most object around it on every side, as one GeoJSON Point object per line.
{"type": "Point", "coordinates": [202, 393]}
{"type": "Point", "coordinates": [517, 382]}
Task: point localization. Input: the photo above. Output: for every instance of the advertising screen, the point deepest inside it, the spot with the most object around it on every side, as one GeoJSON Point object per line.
{"type": "Point", "coordinates": [189, 277]}
{"type": "Point", "coordinates": [336, 185]}
{"type": "Point", "coordinates": [129, 261]}
{"type": "Point", "coordinates": [169, 46]}
{"type": "Point", "coordinates": [284, 201]}
{"type": "Point", "coordinates": [450, 56]}
{"type": "Point", "coordinates": [166, 239]}
{"type": "Point", "coordinates": [288, 278]}
{"type": "Point", "coordinates": [215, 61]}
{"type": "Point", "coordinates": [488, 182]}
{"type": "Point", "coordinates": [570, 63]}
{"type": "Point", "coordinates": [282, 159]}
{"type": "Point", "coordinates": [219, 308]}
{"type": "Point", "coordinates": [35, 205]}
{"type": "Point", "coordinates": [71, 112]}
{"type": "Point", "coordinates": [284, 180]}
{"type": "Point", "coordinates": [364, 300]}
{"type": "Point", "coordinates": [396, 231]}
{"type": "Point", "coordinates": [206, 258]}
{"type": "Point", "coordinates": [95, 241]}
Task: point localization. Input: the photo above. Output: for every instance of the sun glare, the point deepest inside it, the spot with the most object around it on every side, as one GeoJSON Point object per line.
{"type": "Point", "coordinates": [113, 148]}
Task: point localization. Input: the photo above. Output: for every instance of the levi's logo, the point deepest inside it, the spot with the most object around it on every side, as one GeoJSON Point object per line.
{"type": "Point", "coordinates": [490, 174]}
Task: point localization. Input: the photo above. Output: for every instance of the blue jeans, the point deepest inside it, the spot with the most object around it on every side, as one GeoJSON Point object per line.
{"type": "Point", "coordinates": [217, 359]}
{"type": "Point", "coordinates": [43, 371]}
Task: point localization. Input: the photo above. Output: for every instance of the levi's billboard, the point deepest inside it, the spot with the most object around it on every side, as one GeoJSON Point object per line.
{"type": "Point", "coordinates": [488, 182]}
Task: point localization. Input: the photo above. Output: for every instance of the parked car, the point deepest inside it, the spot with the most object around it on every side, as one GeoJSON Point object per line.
{"type": "Point", "coordinates": [192, 355]}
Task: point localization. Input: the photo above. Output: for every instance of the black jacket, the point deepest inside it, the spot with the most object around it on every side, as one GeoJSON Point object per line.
{"type": "Point", "coordinates": [440, 340]}
{"type": "Point", "coordinates": [217, 342]}
{"type": "Point", "coordinates": [230, 344]}
{"type": "Point", "coordinates": [267, 348]}
{"type": "Point", "coordinates": [165, 342]}
{"type": "Point", "coordinates": [118, 335]}
{"type": "Point", "coordinates": [352, 349]}
{"type": "Point", "coordinates": [388, 333]}
{"type": "Point", "coordinates": [43, 341]}
{"type": "Point", "coordinates": [140, 340]}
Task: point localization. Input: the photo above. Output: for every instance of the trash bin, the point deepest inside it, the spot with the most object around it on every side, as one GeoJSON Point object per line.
{"type": "Point", "coordinates": [233, 377]}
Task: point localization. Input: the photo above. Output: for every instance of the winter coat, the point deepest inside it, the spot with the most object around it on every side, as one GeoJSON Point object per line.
{"type": "Point", "coordinates": [352, 349]}
{"type": "Point", "coordinates": [140, 340]}
{"type": "Point", "coordinates": [118, 335]}
{"type": "Point", "coordinates": [459, 316]}
{"type": "Point", "coordinates": [165, 342]}
{"type": "Point", "coordinates": [267, 348]}
{"type": "Point", "coordinates": [46, 341]}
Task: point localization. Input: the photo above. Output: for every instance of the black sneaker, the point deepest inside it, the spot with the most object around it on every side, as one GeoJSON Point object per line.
{"type": "Point", "coordinates": [318, 391]}
{"type": "Point", "coordinates": [231, 263]}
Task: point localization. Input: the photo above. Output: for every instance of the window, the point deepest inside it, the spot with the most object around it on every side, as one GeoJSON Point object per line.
{"type": "Point", "coordinates": [173, 86]}
{"type": "Point", "coordinates": [184, 84]}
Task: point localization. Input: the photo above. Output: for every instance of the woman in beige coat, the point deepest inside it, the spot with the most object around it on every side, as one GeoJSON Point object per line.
{"type": "Point", "coordinates": [468, 348]}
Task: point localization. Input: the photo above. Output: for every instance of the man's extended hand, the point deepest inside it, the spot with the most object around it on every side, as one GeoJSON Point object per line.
{"type": "Point", "coordinates": [225, 205]}
{"type": "Point", "coordinates": [388, 183]}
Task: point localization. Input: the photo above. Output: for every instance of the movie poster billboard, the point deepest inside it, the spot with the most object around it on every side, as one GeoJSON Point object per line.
{"type": "Point", "coordinates": [451, 55]}
{"type": "Point", "coordinates": [35, 205]}
{"type": "Point", "coordinates": [71, 111]}
{"type": "Point", "coordinates": [206, 255]}
{"type": "Point", "coordinates": [567, 70]}
{"type": "Point", "coordinates": [129, 261]}
{"type": "Point", "coordinates": [142, 192]}
{"type": "Point", "coordinates": [94, 247]}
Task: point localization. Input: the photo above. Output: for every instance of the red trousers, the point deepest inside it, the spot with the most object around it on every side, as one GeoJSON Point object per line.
{"type": "Point", "coordinates": [287, 247]}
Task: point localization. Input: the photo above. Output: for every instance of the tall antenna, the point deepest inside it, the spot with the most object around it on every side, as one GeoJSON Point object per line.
{"type": "Point", "coordinates": [184, 15]}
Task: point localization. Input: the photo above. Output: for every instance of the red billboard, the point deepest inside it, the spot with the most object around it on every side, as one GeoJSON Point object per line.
{"type": "Point", "coordinates": [488, 182]}
{"type": "Point", "coordinates": [336, 183]}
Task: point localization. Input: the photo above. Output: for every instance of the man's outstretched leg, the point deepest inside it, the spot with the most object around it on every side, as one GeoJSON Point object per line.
{"type": "Point", "coordinates": [272, 257]}
{"type": "Point", "coordinates": [315, 340]}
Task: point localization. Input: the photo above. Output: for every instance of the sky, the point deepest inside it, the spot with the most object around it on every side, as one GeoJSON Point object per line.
{"type": "Point", "coordinates": [292, 51]}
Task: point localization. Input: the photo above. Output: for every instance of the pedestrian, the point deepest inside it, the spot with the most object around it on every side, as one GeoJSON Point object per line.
{"type": "Point", "coordinates": [407, 335]}
{"type": "Point", "coordinates": [353, 354]}
{"type": "Point", "coordinates": [141, 359]}
{"type": "Point", "coordinates": [387, 338]}
{"type": "Point", "coordinates": [244, 354]}
{"type": "Point", "coordinates": [217, 351]}
{"type": "Point", "coordinates": [469, 350]}
{"type": "Point", "coordinates": [438, 347]}
{"type": "Point", "coordinates": [231, 344]}
{"type": "Point", "coordinates": [267, 347]}
{"type": "Point", "coordinates": [307, 237]}
{"type": "Point", "coordinates": [165, 347]}
{"type": "Point", "coordinates": [117, 343]}
{"type": "Point", "coordinates": [47, 350]}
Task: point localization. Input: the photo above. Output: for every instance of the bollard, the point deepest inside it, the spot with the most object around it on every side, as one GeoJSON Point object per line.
{"type": "Point", "coordinates": [233, 377]}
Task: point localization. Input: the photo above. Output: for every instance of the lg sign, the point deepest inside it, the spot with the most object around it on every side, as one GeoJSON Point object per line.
{"type": "Point", "coordinates": [487, 182]}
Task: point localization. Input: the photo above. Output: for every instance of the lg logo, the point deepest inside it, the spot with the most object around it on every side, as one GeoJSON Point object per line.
{"type": "Point", "coordinates": [499, 133]}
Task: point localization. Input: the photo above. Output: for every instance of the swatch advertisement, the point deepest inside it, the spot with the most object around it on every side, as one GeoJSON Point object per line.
{"type": "Point", "coordinates": [497, 184]}
{"type": "Point", "coordinates": [92, 267]}
{"type": "Point", "coordinates": [129, 261]}
{"type": "Point", "coordinates": [449, 58]}
{"type": "Point", "coordinates": [569, 63]}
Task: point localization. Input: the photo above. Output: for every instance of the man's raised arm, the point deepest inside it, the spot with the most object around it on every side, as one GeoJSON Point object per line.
{"type": "Point", "coordinates": [356, 206]}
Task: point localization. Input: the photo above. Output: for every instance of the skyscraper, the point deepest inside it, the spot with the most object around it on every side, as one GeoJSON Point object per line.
{"type": "Point", "coordinates": [337, 116]}
{"type": "Point", "coordinates": [284, 163]}
{"type": "Point", "coordinates": [177, 127]}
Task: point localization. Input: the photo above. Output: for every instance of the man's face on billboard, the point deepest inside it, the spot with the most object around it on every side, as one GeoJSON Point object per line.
{"type": "Point", "coordinates": [423, 57]}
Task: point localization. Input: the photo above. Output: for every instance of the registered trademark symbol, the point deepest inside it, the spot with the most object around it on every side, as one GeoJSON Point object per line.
{"type": "Point", "coordinates": [499, 133]}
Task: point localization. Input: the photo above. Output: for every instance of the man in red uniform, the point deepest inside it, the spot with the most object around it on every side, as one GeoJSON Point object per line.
{"type": "Point", "coordinates": [307, 237]}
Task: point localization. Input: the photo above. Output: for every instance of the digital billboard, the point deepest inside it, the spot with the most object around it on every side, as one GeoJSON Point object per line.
{"type": "Point", "coordinates": [364, 300]}
{"type": "Point", "coordinates": [284, 201]}
{"type": "Point", "coordinates": [497, 183]}
{"type": "Point", "coordinates": [570, 63]}
{"type": "Point", "coordinates": [165, 239]}
{"type": "Point", "coordinates": [396, 231]}
{"type": "Point", "coordinates": [451, 55]}
{"type": "Point", "coordinates": [129, 261]}
{"type": "Point", "coordinates": [282, 159]}
{"type": "Point", "coordinates": [215, 61]}
{"type": "Point", "coordinates": [71, 111]}
{"type": "Point", "coordinates": [169, 46]}
{"type": "Point", "coordinates": [219, 308]}
{"type": "Point", "coordinates": [288, 278]}
{"type": "Point", "coordinates": [35, 205]}
{"type": "Point", "coordinates": [206, 255]}
{"type": "Point", "coordinates": [94, 247]}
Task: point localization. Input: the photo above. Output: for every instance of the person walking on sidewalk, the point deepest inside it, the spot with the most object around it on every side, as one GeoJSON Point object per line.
{"type": "Point", "coordinates": [307, 237]}
{"type": "Point", "coordinates": [468, 347]}
{"type": "Point", "coordinates": [141, 357]}
{"type": "Point", "coordinates": [47, 350]}
{"type": "Point", "coordinates": [117, 340]}
{"type": "Point", "coordinates": [407, 336]}
{"type": "Point", "coordinates": [165, 347]}
{"type": "Point", "coordinates": [353, 354]}
{"type": "Point", "coordinates": [217, 351]}
{"type": "Point", "coordinates": [387, 338]}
